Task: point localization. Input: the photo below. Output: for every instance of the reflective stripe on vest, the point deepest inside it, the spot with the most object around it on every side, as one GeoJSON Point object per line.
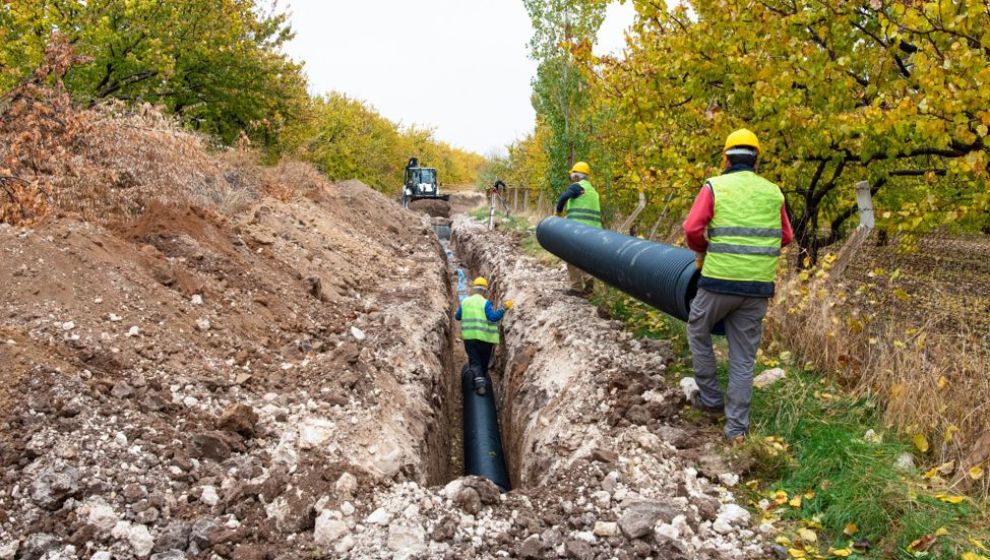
{"type": "Point", "coordinates": [745, 232]}
{"type": "Point", "coordinates": [474, 321]}
{"type": "Point", "coordinates": [586, 208]}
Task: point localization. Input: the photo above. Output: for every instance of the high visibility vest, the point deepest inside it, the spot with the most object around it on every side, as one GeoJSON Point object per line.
{"type": "Point", "coordinates": [745, 232]}
{"type": "Point", "coordinates": [587, 208]}
{"type": "Point", "coordinates": [474, 322]}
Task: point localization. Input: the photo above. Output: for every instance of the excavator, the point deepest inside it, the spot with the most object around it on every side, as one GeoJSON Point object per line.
{"type": "Point", "coordinates": [420, 183]}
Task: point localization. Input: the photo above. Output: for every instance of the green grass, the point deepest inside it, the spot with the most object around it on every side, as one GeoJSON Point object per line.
{"type": "Point", "coordinates": [807, 439]}
{"type": "Point", "coordinates": [854, 480]}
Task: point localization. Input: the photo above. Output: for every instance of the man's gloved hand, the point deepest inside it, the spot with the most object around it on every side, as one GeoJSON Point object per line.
{"type": "Point", "coordinates": [509, 303]}
{"type": "Point", "coordinates": [699, 260]}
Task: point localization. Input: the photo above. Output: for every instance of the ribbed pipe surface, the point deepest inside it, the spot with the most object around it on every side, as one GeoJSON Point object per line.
{"type": "Point", "coordinates": [662, 276]}
{"type": "Point", "coordinates": [483, 453]}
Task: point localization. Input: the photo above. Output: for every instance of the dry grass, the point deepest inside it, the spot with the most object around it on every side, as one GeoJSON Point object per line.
{"type": "Point", "coordinates": [109, 163]}
{"type": "Point", "coordinates": [893, 334]}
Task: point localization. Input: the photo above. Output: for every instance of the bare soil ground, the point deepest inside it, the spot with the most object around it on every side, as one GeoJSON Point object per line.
{"type": "Point", "coordinates": [945, 277]}
{"type": "Point", "coordinates": [191, 382]}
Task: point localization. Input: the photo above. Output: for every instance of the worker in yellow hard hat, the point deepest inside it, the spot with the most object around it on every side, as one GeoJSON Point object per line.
{"type": "Point", "coordinates": [736, 227]}
{"type": "Point", "coordinates": [581, 203]}
{"type": "Point", "coordinates": [479, 329]}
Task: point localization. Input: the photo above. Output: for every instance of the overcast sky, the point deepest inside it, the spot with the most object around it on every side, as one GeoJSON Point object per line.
{"type": "Point", "coordinates": [458, 66]}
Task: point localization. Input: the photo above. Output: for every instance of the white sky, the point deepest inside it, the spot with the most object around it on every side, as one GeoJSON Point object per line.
{"type": "Point", "coordinates": [458, 66]}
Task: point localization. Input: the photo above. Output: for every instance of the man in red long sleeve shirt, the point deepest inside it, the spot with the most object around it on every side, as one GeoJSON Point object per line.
{"type": "Point", "coordinates": [737, 227]}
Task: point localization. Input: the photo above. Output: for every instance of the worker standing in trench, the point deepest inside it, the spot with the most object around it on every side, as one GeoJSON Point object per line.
{"type": "Point", "coordinates": [581, 203]}
{"type": "Point", "coordinates": [746, 223]}
{"type": "Point", "coordinates": [479, 329]}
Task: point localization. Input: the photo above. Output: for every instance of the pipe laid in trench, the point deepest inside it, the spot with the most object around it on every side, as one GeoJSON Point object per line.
{"type": "Point", "coordinates": [662, 276]}
{"type": "Point", "coordinates": [483, 452]}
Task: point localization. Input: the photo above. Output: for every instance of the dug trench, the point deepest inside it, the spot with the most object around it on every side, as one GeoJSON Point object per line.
{"type": "Point", "coordinates": [284, 383]}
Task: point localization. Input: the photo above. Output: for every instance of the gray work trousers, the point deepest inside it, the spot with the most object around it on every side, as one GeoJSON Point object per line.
{"type": "Point", "coordinates": [743, 319]}
{"type": "Point", "coordinates": [580, 280]}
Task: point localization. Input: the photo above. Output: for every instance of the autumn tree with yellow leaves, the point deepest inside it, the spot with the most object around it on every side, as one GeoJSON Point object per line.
{"type": "Point", "coordinates": [894, 93]}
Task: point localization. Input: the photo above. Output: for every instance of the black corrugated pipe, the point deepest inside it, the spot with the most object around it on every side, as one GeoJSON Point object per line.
{"type": "Point", "coordinates": [662, 276]}
{"type": "Point", "coordinates": [483, 454]}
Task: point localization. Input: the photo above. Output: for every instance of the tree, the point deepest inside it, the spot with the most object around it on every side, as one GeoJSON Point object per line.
{"type": "Point", "coordinates": [889, 92]}
{"type": "Point", "coordinates": [560, 89]}
{"type": "Point", "coordinates": [347, 139]}
{"type": "Point", "coordinates": [215, 63]}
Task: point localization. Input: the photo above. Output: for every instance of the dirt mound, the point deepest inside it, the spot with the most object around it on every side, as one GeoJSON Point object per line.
{"type": "Point", "coordinates": [433, 208]}
{"type": "Point", "coordinates": [462, 202]}
{"type": "Point", "coordinates": [195, 372]}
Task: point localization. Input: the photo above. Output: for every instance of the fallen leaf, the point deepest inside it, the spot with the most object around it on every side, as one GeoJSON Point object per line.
{"type": "Point", "coordinates": [976, 472]}
{"type": "Point", "coordinates": [941, 532]}
{"type": "Point", "coordinates": [942, 382]}
{"type": "Point", "coordinates": [978, 544]}
{"type": "Point", "coordinates": [795, 553]}
{"type": "Point", "coordinates": [810, 494]}
{"type": "Point", "coordinates": [947, 468]}
{"type": "Point", "coordinates": [840, 552]}
{"type": "Point", "coordinates": [950, 499]}
{"type": "Point", "coordinates": [850, 530]}
{"type": "Point", "coordinates": [920, 442]}
{"type": "Point", "coordinates": [795, 501]}
{"type": "Point", "coordinates": [783, 541]}
{"type": "Point", "coordinates": [922, 544]}
{"type": "Point", "coordinates": [807, 535]}
{"type": "Point", "coordinates": [950, 433]}
{"type": "Point", "coordinates": [780, 497]}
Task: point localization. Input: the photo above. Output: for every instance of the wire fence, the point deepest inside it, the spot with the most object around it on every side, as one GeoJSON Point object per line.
{"type": "Point", "coordinates": [528, 200]}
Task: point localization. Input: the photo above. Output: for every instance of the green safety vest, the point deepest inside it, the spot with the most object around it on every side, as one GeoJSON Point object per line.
{"type": "Point", "coordinates": [587, 208]}
{"type": "Point", "coordinates": [474, 322]}
{"type": "Point", "coordinates": [745, 232]}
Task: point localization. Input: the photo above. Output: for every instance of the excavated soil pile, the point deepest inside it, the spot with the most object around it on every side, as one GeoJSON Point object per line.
{"type": "Point", "coordinates": [188, 384]}
{"type": "Point", "coordinates": [433, 208]}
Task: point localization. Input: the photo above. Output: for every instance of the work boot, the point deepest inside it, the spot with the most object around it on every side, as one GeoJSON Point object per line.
{"type": "Point", "coordinates": [480, 385]}
{"type": "Point", "coordinates": [735, 441]}
{"type": "Point", "coordinates": [714, 411]}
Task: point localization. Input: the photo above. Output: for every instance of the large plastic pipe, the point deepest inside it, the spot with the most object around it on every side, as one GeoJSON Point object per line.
{"type": "Point", "coordinates": [662, 276]}
{"type": "Point", "coordinates": [483, 453]}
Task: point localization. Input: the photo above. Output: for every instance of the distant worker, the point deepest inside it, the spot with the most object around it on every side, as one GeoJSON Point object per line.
{"type": "Point", "coordinates": [580, 202]}
{"type": "Point", "coordinates": [479, 329]}
{"type": "Point", "coordinates": [746, 223]}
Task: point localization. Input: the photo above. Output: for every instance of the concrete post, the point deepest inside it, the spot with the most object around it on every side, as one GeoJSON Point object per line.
{"type": "Point", "coordinates": [864, 199]}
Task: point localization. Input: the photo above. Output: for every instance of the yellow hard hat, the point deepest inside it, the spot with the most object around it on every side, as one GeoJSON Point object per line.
{"type": "Point", "coordinates": [480, 282]}
{"type": "Point", "coordinates": [581, 167]}
{"type": "Point", "coordinates": [740, 138]}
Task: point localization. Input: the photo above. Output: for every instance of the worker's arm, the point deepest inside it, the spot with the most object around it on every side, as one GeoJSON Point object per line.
{"type": "Point", "coordinates": [572, 191]}
{"type": "Point", "coordinates": [457, 315]}
{"type": "Point", "coordinates": [785, 226]}
{"type": "Point", "coordinates": [493, 315]}
{"type": "Point", "coordinates": [696, 224]}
